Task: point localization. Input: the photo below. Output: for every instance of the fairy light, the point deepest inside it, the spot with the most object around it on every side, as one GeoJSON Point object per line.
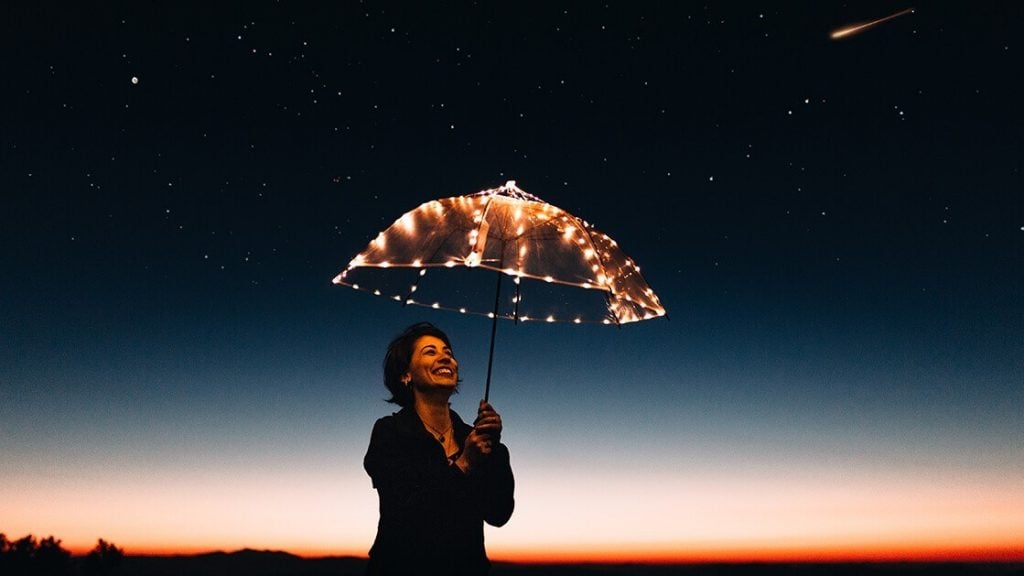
{"type": "Point", "coordinates": [408, 222]}
{"type": "Point", "coordinates": [550, 318]}
{"type": "Point", "coordinates": [435, 305]}
{"type": "Point", "coordinates": [417, 263]}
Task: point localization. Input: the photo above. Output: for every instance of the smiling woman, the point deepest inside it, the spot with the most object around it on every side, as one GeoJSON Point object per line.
{"type": "Point", "coordinates": [438, 479]}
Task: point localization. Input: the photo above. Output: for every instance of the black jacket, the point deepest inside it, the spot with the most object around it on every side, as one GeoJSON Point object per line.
{"type": "Point", "coordinates": [431, 514]}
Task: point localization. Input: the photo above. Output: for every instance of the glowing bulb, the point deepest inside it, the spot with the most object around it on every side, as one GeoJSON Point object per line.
{"type": "Point", "coordinates": [376, 292]}
{"type": "Point", "coordinates": [551, 319]}
{"type": "Point", "coordinates": [356, 286]}
{"type": "Point", "coordinates": [408, 222]}
{"type": "Point", "coordinates": [435, 305]}
{"type": "Point", "coordinates": [549, 279]}
{"type": "Point", "coordinates": [417, 263]}
{"type": "Point", "coordinates": [490, 314]}
{"type": "Point", "coordinates": [577, 321]}
{"type": "Point", "coordinates": [385, 264]}
{"type": "Point", "coordinates": [449, 264]}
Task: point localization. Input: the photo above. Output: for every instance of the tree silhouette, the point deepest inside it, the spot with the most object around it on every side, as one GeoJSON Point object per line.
{"type": "Point", "coordinates": [50, 558]}
{"type": "Point", "coordinates": [27, 556]}
{"type": "Point", "coordinates": [104, 560]}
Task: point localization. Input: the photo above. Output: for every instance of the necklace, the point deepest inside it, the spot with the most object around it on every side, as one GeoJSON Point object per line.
{"type": "Point", "coordinates": [440, 435]}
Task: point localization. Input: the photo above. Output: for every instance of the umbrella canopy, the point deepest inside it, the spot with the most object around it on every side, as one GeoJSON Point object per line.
{"type": "Point", "coordinates": [514, 233]}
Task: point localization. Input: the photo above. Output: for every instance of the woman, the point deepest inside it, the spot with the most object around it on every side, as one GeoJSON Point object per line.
{"type": "Point", "coordinates": [438, 479]}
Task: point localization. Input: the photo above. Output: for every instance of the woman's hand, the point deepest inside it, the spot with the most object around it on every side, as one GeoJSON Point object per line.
{"type": "Point", "coordinates": [482, 439]}
{"type": "Point", "coordinates": [488, 422]}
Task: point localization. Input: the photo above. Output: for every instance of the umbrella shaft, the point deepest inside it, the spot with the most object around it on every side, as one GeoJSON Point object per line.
{"type": "Point", "coordinates": [494, 330]}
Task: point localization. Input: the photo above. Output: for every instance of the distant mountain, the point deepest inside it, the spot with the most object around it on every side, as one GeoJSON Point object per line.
{"type": "Point", "coordinates": [245, 562]}
{"type": "Point", "coordinates": [250, 562]}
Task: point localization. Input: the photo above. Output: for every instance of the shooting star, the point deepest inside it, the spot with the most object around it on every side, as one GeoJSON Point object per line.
{"type": "Point", "coordinates": [850, 30]}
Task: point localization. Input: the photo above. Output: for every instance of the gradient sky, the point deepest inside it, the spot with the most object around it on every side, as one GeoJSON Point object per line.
{"type": "Point", "coordinates": [835, 227]}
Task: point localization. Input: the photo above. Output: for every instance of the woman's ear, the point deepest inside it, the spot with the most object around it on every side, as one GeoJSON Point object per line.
{"type": "Point", "coordinates": [406, 378]}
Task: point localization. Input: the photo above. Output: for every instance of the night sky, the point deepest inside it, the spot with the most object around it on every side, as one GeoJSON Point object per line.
{"type": "Point", "coordinates": [835, 227]}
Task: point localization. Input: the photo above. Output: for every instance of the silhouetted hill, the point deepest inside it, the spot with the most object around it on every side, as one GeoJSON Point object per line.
{"type": "Point", "coordinates": [242, 563]}
{"type": "Point", "coordinates": [275, 563]}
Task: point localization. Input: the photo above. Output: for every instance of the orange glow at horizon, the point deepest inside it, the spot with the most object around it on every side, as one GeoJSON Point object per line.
{"type": "Point", "coordinates": [674, 518]}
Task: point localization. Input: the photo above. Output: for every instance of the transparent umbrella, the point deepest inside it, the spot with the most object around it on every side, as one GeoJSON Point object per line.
{"type": "Point", "coordinates": [561, 268]}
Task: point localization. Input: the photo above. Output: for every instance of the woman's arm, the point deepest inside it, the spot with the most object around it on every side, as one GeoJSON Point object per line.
{"type": "Point", "coordinates": [499, 487]}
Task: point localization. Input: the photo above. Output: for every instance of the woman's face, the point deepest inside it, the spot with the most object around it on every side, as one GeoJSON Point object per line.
{"type": "Point", "coordinates": [433, 364]}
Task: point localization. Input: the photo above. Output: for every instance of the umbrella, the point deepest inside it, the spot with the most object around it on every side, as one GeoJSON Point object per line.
{"type": "Point", "coordinates": [518, 236]}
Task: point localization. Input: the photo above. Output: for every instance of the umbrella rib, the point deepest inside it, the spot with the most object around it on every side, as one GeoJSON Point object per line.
{"type": "Point", "coordinates": [604, 270]}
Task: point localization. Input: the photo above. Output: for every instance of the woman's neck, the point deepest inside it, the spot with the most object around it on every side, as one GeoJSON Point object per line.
{"type": "Point", "coordinates": [433, 411]}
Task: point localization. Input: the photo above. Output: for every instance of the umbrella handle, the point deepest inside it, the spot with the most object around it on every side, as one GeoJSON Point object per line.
{"type": "Point", "coordinates": [494, 330]}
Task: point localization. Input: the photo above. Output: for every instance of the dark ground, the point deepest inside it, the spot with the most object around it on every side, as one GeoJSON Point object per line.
{"type": "Point", "coordinates": [257, 563]}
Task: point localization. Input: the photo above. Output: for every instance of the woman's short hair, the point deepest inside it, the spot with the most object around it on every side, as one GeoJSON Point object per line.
{"type": "Point", "coordinates": [399, 356]}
